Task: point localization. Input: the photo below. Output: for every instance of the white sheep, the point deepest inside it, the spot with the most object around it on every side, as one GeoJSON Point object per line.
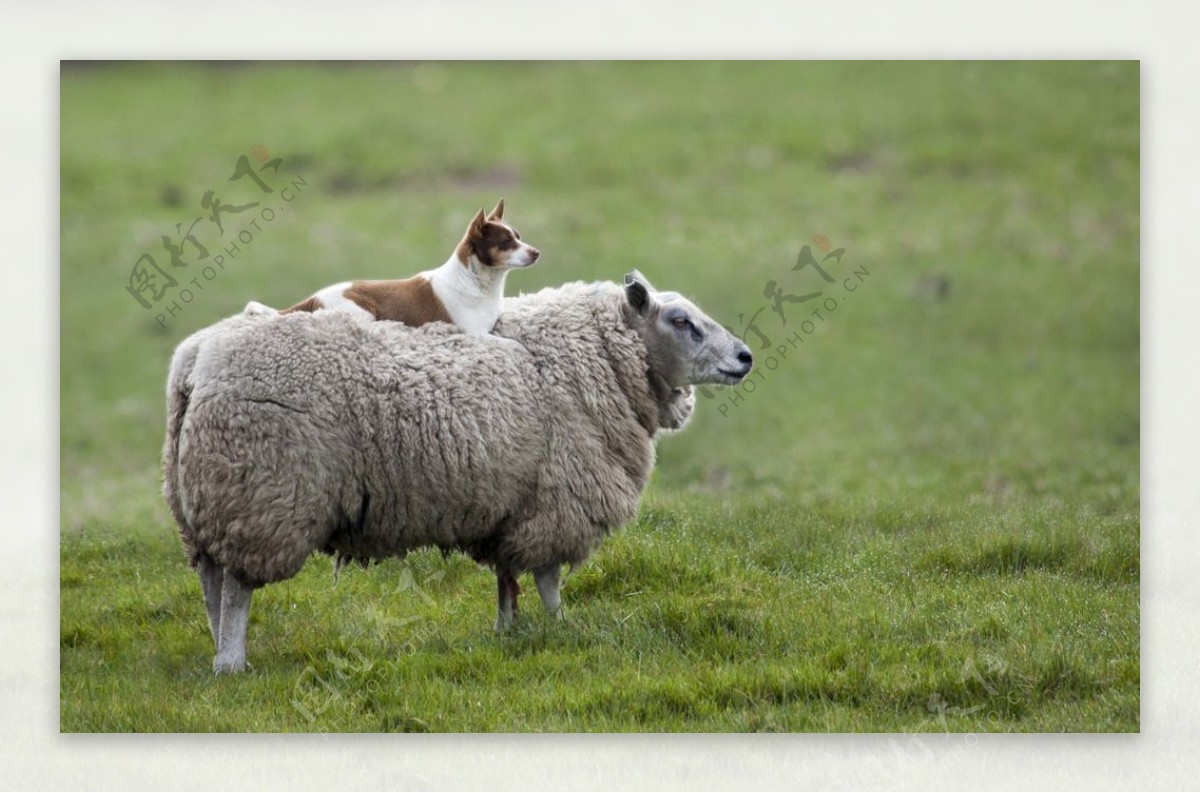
{"type": "Point", "coordinates": [325, 432]}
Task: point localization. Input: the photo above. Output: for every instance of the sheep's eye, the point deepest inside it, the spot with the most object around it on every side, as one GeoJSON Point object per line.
{"type": "Point", "coordinates": [680, 322]}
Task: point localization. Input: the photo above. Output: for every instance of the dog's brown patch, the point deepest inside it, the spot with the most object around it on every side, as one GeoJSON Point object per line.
{"type": "Point", "coordinates": [310, 305]}
{"type": "Point", "coordinates": [411, 301]}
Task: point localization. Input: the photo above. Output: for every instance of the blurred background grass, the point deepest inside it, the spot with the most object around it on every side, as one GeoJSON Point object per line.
{"type": "Point", "coordinates": [968, 416]}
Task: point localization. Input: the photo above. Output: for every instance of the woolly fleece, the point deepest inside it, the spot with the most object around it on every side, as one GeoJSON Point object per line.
{"type": "Point", "coordinates": [366, 439]}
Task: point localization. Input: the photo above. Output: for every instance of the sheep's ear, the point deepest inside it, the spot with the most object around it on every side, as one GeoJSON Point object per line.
{"type": "Point", "coordinates": [636, 275]}
{"type": "Point", "coordinates": [498, 212]}
{"type": "Point", "coordinates": [637, 291]}
{"type": "Point", "coordinates": [475, 230]}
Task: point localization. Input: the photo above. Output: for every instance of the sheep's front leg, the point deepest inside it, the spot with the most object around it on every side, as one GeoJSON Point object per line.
{"type": "Point", "coordinates": [211, 576]}
{"type": "Point", "coordinates": [235, 616]}
{"type": "Point", "coordinates": [547, 584]}
{"type": "Point", "coordinates": [507, 590]}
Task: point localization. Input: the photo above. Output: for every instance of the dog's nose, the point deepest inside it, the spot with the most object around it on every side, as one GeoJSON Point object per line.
{"type": "Point", "coordinates": [745, 357]}
{"type": "Point", "coordinates": [534, 253]}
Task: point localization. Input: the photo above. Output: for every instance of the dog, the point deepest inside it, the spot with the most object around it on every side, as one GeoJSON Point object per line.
{"type": "Point", "coordinates": [468, 290]}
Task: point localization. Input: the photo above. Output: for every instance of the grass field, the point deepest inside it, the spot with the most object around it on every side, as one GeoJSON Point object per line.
{"type": "Point", "coordinates": [921, 515]}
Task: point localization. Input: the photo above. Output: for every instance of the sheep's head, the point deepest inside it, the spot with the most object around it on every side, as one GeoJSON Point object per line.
{"type": "Point", "coordinates": [683, 344]}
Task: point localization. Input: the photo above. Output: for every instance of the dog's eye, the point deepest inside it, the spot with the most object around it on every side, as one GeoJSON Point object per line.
{"type": "Point", "coordinates": [516, 234]}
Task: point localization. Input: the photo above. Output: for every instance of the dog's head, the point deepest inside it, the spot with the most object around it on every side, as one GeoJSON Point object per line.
{"type": "Point", "coordinates": [494, 244]}
{"type": "Point", "coordinates": [684, 345]}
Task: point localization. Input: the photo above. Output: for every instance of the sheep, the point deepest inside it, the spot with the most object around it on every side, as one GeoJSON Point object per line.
{"type": "Point", "coordinates": [327, 432]}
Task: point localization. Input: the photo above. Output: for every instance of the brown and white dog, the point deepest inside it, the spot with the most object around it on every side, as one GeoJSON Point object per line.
{"type": "Point", "coordinates": [468, 290]}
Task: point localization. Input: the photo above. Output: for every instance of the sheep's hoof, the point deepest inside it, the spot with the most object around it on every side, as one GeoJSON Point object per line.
{"type": "Point", "coordinates": [229, 666]}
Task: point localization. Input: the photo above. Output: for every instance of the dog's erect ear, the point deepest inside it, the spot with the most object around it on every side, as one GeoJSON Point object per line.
{"type": "Point", "coordinates": [637, 291]}
{"type": "Point", "coordinates": [498, 212]}
{"type": "Point", "coordinates": [475, 230]}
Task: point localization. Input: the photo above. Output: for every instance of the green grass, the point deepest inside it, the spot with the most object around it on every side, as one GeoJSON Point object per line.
{"type": "Point", "coordinates": [924, 517]}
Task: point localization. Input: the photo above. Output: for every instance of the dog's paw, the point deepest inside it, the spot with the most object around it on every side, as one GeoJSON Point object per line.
{"type": "Point", "coordinates": [511, 344]}
{"type": "Point", "coordinates": [256, 308]}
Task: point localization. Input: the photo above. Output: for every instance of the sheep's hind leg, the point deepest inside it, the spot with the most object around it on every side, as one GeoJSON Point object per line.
{"type": "Point", "coordinates": [547, 584]}
{"type": "Point", "coordinates": [507, 590]}
{"type": "Point", "coordinates": [211, 575]}
{"type": "Point", "coordinates": [235, 616]}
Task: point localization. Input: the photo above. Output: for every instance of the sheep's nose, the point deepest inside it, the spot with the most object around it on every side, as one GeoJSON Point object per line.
{"type": "Point", "coordinates": [745, 357]}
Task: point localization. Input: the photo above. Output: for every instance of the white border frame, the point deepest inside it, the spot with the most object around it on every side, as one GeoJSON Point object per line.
{"type": "Point", "coordinates": [1161, 35]}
